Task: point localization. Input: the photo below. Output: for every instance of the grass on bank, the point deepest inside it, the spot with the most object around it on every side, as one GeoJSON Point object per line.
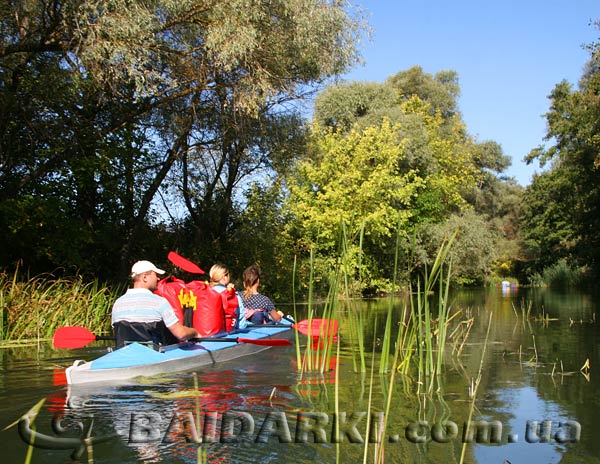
{"type": "Point", "coordinates": [33, 308]}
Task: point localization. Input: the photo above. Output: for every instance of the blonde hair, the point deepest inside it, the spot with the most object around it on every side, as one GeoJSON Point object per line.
{"type": "Point", "coordinates": [217, 272]}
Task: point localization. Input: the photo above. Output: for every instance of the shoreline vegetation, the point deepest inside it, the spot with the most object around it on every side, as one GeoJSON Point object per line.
{"type": "Point", "coordinates": [33, 308]}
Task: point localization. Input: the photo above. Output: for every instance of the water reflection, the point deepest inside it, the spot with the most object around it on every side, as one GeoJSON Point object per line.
{"type": "Point", "coordinates": [538, 342]}
{"type": "Point", "coordinates": [522, 405]}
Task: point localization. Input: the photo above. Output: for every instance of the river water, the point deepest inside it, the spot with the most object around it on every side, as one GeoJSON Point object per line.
{"type": "Point", "coordinates": [534, 403]}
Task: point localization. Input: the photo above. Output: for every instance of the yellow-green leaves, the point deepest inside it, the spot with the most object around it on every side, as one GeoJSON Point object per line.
{"type": "Point", "coordinates": [354, 178]}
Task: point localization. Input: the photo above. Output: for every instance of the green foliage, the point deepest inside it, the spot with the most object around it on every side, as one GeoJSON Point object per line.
{"type": "Point", "coordinates": [33, 308]}
{"type": "Point", "coordinates": [342, 105]}
{"type": "Point", "coordinates": [260, 237]}
{"type": "Point", "coordinates": [559, 276]}
{"type": "Point", "coordinates": [383, 174]}
{"type": "Point", "coordinates": [562, 214]}
{"type": "Point", "coordinates": [156, 107]}
{"type": "Point", "coordinates": [353, 176]}
{"type": "Point", "coordinates": [474, 250]}
{"type": "Point", "coordinates": [548, 226]}
{"type": "Point", "coordinates": [353, 179]}
{"type": "Point", "coordinates": [439, 91]}
{"type": "Point", "coordinates": [170, 125]}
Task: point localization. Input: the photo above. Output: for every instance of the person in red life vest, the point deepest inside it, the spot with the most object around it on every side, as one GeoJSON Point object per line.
{"type": "Point", "coordinates": [259, 308]}
{"type": "Point", "coordinates": [220, 280]}
{"type": "Point", "coordinates": [142, 316]}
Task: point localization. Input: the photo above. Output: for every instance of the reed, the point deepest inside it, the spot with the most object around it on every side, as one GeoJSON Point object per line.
{"type": "Point", "coordinates": [380, 455]}
{"type": "Point", "coordinates": [34, 308]}
{"type": "Point", "coordinates": [422, 332]}
{"type": "Point", "coordinates": [369, 404]}
{"type": "Point", "coordinates": [355, 318]}
{"type": "Point", "coordinates": [356, 323]}
{"type": "Point", "coordinates": [423, 329]}
{"type": "Point", "coordinates": [431, 333]}
{"type": "Point", "coordinates": [475, 386]}
{"type": "Point", "coordinates": [296, 334]}
{"type": "Point", "coordinates": [317, 353]}
{"type": "Point", "coordinates": [387, 337]}
{"type": "Point", "coordinates": [421, 338]}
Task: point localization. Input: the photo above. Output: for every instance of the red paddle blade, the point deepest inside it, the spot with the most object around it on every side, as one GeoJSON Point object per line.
{"type": "Point", "coordinates": [324, 328]}
{"type": "Point", "coordinates": [184, 264]}
{"type": "Point", "coordinates": [72, 337]}
{"type": "Point", "coordinates": [266, 341]}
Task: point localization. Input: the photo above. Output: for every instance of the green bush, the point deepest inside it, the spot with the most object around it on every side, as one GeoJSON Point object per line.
{"type": "Point", "coordinates": [559, 275]}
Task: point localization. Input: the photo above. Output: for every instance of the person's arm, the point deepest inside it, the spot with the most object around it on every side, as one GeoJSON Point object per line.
{"type": "Point", "coordinates": [179, 330]}
{"type": "Point", "coordinates": [242, 321]}
{"type": "Point", "coordinates": [272, 311]}
{"type": "Point", "coordinates": [182, 332]}
{"type": "Point", "coordinates": [276, 315]}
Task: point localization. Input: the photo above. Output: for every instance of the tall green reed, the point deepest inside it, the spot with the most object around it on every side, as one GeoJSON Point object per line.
{"type": "Point", "coordinates": [36, 307]}
{"type": "Point", "coordinates": [430, 341]}
{"type": "Point", "coordinates": [317, 352]}
{"type": "Point", "coordinates": [473, 392]}
{"type": "Point", "coordinates": [387, 337]}
{"type": "Point", "coordinates": [418, 340]}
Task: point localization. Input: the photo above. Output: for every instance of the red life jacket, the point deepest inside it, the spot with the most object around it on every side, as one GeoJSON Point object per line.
{"type": "Point", "coordinates": [196, 304]}
{"type": "Point", "coordinates": [231, 309]}
{"type": "Point", "coordinates": [174, 290]}
{"type": "Point", "coordinates": [208, 308]}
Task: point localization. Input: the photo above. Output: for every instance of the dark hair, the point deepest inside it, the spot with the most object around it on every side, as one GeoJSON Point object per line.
{"type": "Point", "coordinates": [250, 277]}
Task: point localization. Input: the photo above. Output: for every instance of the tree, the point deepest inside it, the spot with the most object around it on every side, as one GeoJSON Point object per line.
{"type": "Point", "coordinates": [366, 179]}
{"type": "Point", "coordinates": [343, 105]}
{"type": "Point", "coordinates": [570, 191]}
{"type": "Point", "coordinates": [474, 249]}
{"type": "Point", "coordinates": [140, 88]}
{"type": "Point", "coordinates": [440, 91]}
{"type": "Point", "coordinates": [354, 180]}
{"type": "Point", "coordinates": [547, 219]}
{"type": "Point", "coordinates": [430, 151]}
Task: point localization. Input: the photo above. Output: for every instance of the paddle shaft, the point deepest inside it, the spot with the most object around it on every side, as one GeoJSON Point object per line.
{"type": "Point", "coordinates": [78, 337]}
{"type": "Point", "coordinates": [206, 339]}
{"type": "Point", "coordinates": [259, 341]}
{"type": "Point", "coordinates": [214, 339]}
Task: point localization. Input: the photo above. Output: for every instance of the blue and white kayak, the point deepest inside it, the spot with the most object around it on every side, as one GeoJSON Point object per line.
{"type": "Point", "coordinates": [135, 359]}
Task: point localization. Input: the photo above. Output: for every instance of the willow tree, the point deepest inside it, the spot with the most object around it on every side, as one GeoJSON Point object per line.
{"type": "Point", "coordinates": [365, 179]}
{"type": "Point", "coordinates": [102, 99]}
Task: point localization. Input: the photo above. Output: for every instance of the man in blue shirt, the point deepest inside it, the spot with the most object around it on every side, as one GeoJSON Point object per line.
{"type": "Point", "coordinates": [142, 316]}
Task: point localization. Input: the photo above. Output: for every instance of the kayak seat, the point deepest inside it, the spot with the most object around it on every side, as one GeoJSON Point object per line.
{"type": "Point", "coordinates": [153, 334]}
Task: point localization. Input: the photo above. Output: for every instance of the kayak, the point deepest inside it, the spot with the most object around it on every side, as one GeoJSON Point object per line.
{"type": "Point", "coordinates": [136, 359]}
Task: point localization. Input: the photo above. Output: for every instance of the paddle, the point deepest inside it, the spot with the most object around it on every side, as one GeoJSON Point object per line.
{"type": "Point", "coordinates": [75, 337]}
{"type": "Point", "coordinates": [316, 328]}
{"type": "Point", "coordinates": [78, 337]}
{"type": "Point", "coordinates": [263, 341]}
{"type": "Point", "coordinates": [184, 263]}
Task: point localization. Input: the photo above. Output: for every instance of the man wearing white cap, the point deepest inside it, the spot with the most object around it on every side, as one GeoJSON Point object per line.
{"type": "Point", "coordinates": [142, 316]}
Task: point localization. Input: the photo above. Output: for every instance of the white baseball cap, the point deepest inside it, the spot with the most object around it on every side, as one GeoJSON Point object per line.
{"type": "Point", "coordinates": [144, 266]}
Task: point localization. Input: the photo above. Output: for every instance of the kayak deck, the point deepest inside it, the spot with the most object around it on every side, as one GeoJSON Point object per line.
{"type": "Point", "coordinates": [136, 359]}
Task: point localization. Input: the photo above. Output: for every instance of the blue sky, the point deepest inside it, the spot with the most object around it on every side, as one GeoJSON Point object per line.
{"type": "Point", "coordinates": [508, 54]}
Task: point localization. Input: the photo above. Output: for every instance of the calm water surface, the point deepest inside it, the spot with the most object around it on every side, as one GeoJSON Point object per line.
{"type": "Point", "coordinates": [531, 386]}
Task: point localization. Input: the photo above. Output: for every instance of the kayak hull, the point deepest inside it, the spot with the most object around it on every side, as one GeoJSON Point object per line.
{"type": "Point", "coordinates": [135, 360]}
